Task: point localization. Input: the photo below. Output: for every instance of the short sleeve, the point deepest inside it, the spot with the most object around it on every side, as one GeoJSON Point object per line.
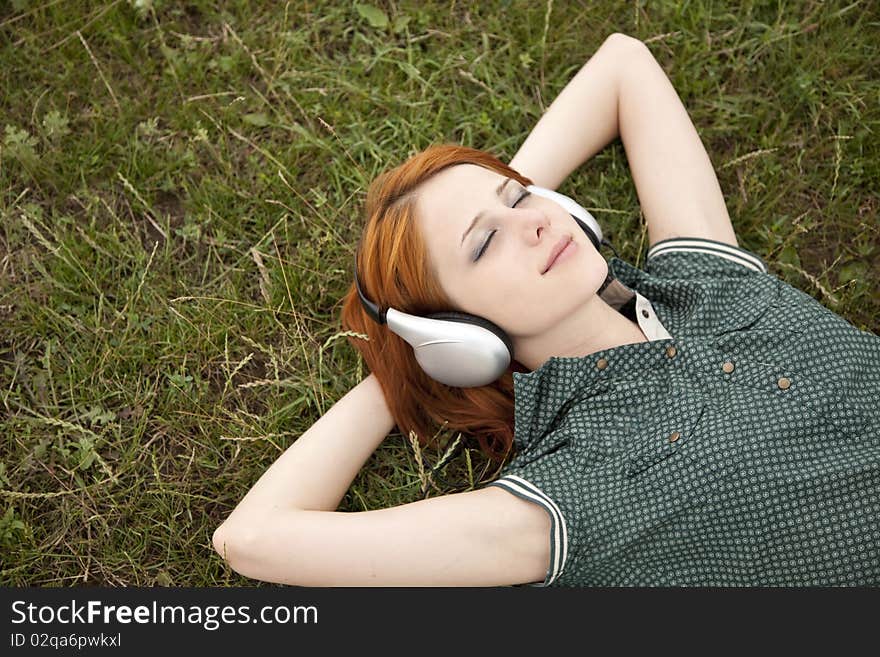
{"type": "Point", "coordinates": [527, 490]}
{"type": "Point", "coordinates": [696, 257]}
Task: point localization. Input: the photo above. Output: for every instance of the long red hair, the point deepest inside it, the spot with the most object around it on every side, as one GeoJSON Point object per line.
{"type": "Point", "coordinates": [393, 271]}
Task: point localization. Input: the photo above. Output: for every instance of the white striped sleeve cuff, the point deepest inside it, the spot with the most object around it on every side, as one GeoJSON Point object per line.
{"type": "Point", "coordinates": [558, 529]}
{"type": "Point", "coordinates": [701, 245]}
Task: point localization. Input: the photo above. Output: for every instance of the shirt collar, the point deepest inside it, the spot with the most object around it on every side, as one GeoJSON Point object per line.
{"type": "Point", "coordinates": [616, 294]}
{"type": "Point", "coordinates": [539, 389]}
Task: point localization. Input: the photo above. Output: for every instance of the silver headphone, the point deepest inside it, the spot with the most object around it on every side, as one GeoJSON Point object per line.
{"type": "Point", "coordinates": [460, 349]}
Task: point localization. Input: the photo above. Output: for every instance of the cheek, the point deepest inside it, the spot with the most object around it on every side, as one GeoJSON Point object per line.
{"type": "Point", "coordinates": [579, 265]}
{"type": "Point", "coordinates": [586, 273]}
{"type": "Point", "coordinates": [590, 259]}
{"type": "Point", "coordinates": [594, 268]}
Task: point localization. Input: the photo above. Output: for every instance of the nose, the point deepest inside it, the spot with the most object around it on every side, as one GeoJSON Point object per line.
{"type": "Point", "coordinates": [534, 222]}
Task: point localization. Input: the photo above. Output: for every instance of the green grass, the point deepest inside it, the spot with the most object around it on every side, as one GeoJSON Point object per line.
{"type": "Point", "coordinates": [181, 190]}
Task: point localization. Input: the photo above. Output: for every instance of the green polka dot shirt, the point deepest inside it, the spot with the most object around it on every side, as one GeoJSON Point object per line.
{"type": "Point", "coordinates": [739, 446]}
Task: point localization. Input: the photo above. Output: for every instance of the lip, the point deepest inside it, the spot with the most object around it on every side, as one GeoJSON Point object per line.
{"type": "Point", "coordinates": [557, 249]}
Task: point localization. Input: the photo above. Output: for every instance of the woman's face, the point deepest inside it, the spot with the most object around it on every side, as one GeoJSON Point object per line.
{"type": "Point", "coordinates": [506, 283]}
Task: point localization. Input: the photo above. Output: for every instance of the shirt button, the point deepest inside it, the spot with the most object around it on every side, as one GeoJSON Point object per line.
{"type": "Point", "coordinates": [674, 436]}
{"type": "Point", "coordinates": [784, 383]}
{"type": "Point", "coordinates": [727, 367]}
{"type": "Point", "coordinates": [644, 313]}
{"type": "Point", "coordinates": [602, 363]}
{"type": "Point", "coordinates": [670, 351]}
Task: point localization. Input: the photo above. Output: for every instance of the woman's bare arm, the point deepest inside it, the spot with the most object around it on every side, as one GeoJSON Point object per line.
{"type": "Point", "coordinates": [623, 91]}
{"type": "Point", "coordinates": [485, 537]}
{"type": "Point", "coordinates": [581, 120]}
{"type": "Point", "coordinates": [317, 469]}
{"type": "Point", "coordinates": [678, 189]}
{"type": "Point", "coordinates": [284, 530]}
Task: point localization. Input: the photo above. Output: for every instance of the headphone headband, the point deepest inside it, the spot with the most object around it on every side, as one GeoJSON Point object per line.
{"type": "Point", "coordinates": [372, 309]}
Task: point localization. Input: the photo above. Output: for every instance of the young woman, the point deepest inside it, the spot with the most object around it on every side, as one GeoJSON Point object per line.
{"type": "Point", "coordinates": [697, 422]}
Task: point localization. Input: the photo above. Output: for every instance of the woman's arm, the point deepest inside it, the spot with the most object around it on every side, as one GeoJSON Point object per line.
{"type": "Point", "coordinates": [484, 537]}
{"type": "Point", "coordinates": [582, 120]}
{"type": "Point", "coordinates": [317, 469]}
{"type": "Point", "coordinates": [679, 192]}
{"type": "Point", "coordinates": [285, 529]}
{"type": "Point", "coordinates": [622, 90]}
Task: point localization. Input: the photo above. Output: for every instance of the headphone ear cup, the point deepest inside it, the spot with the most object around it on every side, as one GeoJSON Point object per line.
{"type": "Point", "coordinates": [463, 350]}
{"type": "Point", "coordinates": [457, 349]}
{"type": "Point", "coordinates": [452, 315]}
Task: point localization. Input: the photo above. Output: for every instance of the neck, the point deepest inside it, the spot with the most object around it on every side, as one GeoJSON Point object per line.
{"type": "Point", "coordinates": [593, 327]}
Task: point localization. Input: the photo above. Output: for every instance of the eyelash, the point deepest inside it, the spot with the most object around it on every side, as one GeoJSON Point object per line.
{"type": "Point", "coordinates": [489, 239]}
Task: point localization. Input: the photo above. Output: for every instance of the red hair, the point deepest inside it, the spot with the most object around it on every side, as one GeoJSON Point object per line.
{"type": "Point", "coordinates": [392, 271]}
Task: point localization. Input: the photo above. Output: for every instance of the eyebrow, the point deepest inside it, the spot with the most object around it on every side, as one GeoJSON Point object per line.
{"type": "Point", "coordinates": [481, 214]}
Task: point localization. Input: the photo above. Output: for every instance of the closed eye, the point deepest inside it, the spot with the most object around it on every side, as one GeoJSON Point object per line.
{"type": "Point", "coordinates": [485, 246]}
